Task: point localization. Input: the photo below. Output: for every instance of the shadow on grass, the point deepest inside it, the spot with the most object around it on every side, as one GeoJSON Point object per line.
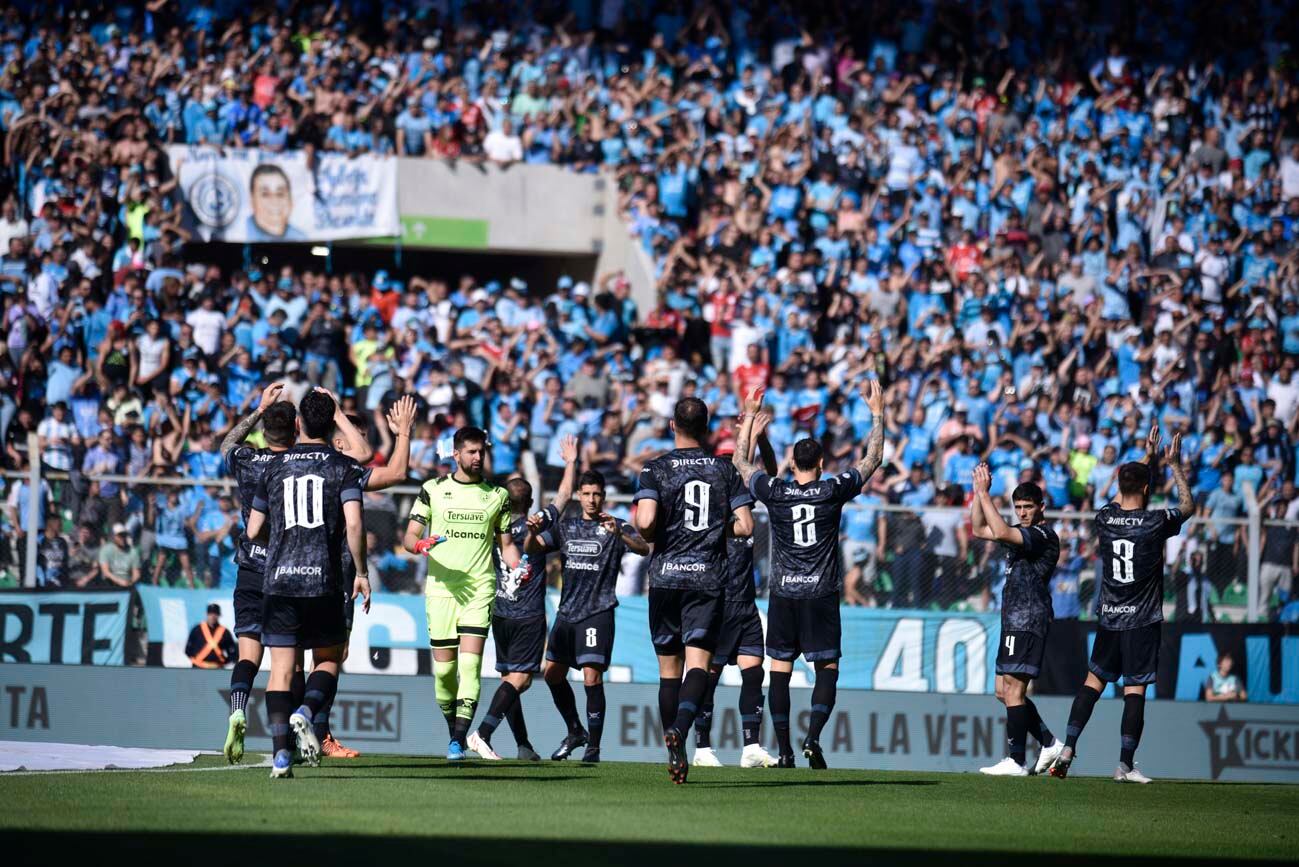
{"type": "Point", "coordinates": [28, 847]}
{"type": "Point", "coordinates": [775, 784]}
{"type": "Point", "coordinates": [427, 777]}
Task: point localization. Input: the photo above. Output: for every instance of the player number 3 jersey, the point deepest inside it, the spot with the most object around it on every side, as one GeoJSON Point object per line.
{"type": "Point", "coordinates": [1131, 550]}
{"type": "Point", "coordinates": [470, 515]}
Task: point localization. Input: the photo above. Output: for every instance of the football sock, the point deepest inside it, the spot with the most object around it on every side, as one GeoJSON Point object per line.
{"type": "Point", "coordinates": [320, 689]}
{"type": "Point", "coordinates": [444, 690]}
{"type": "Point", "coordinates": [704, 721]}
{"type": "Point", "coordinates": [595, 714]}
{"type": "Point", "coordinates": [1134, 720]}
{"type": "Point", "coordinates": [320, 722]}
{"type": "Point", "coordinates": [751, 704]}
{"type": "Point", "coordinates": [504, 699]}
{"type": "Point", "coordinates": [517, 724]}
{"type": "Point", "coordinates": [1037, 726]}
{"type": "Point", "coordinates": [1083, 704]}
{"type": "Point", "coordinates": [241, 683]}
{"type": "Point", "coordinates": [778, 699]}
{"type": "Point", "coordinates": [469, 688]}
{"type": "Point", "coordinates": [566, 704]}
{"type": "Point", "coordinates": [279, 705]}
{"type": "Point", "coordinates": [669, 689]}
{"type": "Point", "coordinates": [823, 695]}
{"type": "Point", "coordinates": [298, 688]}
{"type": "Point", "coordinates": [1016, 732]}
{"type": "Point", "coordinates": [693, 687]}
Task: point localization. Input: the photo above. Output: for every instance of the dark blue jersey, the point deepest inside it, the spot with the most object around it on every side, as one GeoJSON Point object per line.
{"type": "Point", "coordinates": [697, 494]}
{"type": "Point", "coordinates": [302, 494]}
{"type": "Point", "coordinates": [805, 522]}
{"type": "Point", "coordinates": [739, 572]}
{"type": "Point", "coordinates": [592, 558]}
{"type": "Point", "coordinates": [515, 598]}
{"type": "Point", "coordinates": [246, 466]}
{"type": "Point", "coordinates": [1131, 548]}
{"type": "Point", "coordinates": [1026, 597]}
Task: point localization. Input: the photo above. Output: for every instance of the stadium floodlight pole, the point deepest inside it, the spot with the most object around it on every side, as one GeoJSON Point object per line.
{"type": "Point", "coordinates": [33, 508]}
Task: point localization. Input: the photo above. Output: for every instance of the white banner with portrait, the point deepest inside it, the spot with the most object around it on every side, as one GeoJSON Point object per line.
{"type": "Point", "coordinates": [255, 196]}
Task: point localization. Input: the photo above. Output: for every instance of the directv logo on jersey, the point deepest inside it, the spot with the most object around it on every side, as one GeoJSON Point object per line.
{"type": "Point", "coordinates": [582, 549]}
{"type": "Point", "coordinates": [804, 492]}
{"type": "Point", "coordinates": [685, 567]}
{"type": "Point", "coordinates": [1116, 521]}
{"type": "Point", "coordinates": [692, 462]}
{"type": "Point", "coordinates": [459, 516]}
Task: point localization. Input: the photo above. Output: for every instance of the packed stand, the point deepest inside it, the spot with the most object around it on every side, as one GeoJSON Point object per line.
{"type": "Point", "coordinates": [1042, 228]}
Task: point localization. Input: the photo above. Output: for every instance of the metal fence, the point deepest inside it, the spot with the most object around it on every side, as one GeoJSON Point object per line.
{"type": "Point", "coordinates": [893, 556]}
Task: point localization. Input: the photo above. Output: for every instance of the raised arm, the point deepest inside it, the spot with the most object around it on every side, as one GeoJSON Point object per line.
{"type": "Point", "coordinates": [1152, 446]}
{"type": "Point", "coordinates": [743, 456]}
{"type": "Point", "coordinates": [569, 452]}
{"type": "Point", "coordinates": [401, 418]}
{"type": "Point", "coordinates": [240, 431]}
{"type": "Point", "coordinates": [761, 422]}
{"type": "Point", "coordinates": [994, 526]}
{"type": "Point", "coordinates": [1185, 502]}
{"type": "Point", "coordinates": [875, 443]}
{"type": "Point", "coordinates": [348, 439]}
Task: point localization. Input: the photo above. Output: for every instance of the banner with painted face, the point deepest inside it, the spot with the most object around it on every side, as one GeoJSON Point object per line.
{"type": "Point", "coordinates": [255, 196]}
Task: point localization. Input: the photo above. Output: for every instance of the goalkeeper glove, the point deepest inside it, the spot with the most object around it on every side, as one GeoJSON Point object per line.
{"type": "Point", "coordinates": [424, 546]}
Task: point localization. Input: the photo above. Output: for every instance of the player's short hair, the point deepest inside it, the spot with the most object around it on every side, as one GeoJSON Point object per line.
{"type": "Point", "coordinates": [1133, 478]}
{"type": "Point", "coordinates": [520, 491]}
{"type": "Point", "coordinates": [591, 477]}
{"type": "Point", "coordinates": [277, 423]}
{"type": "Point", "coordinates": [691, 417]}
{"type": "Point", "coordinates": [1027, 491]}
{"type": "Point", "coordinates": [263, 170]}
{"type": "Point", "coordinates": [317, 413]}
{"type": "Point", "coordinates": [807, 453]}
{"type": "Point", "coordinates": [467, 435]}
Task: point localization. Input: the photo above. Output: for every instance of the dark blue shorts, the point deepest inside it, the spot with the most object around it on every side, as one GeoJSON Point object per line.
{"type": "Point", "coordinates": [741, 635]}
{"type": "Point", "coordinates": [1020, 653]}
{"type": "Point", "coordinates": [681, 618]}
{"type": "Point", "coordinates": [1132, 654]}
{"type": "Point", "coordinates": [519, 643]}
{"type": "Point", "coordinates": [580, 643]}
{"type": "Point", "coordinates": [804, 627]}
{"type": "Point", "coordinates": [308, 622]}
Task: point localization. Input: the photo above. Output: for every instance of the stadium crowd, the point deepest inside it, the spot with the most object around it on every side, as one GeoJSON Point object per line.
{"type": "Point", "coordinates": [1044, 227]}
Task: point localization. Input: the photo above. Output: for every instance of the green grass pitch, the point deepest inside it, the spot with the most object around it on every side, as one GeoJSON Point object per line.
{"type": "Point", "coordinates": [391, 810]}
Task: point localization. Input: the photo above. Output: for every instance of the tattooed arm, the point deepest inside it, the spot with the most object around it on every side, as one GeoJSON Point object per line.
{"type": "Point", "coordinates": [240, 432]}
{"type": "Point", "coordinates": [875, 443]}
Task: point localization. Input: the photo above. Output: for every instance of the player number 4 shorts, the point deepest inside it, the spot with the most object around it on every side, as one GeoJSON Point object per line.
{"type": "Point", "coordinates": [1020, 653]}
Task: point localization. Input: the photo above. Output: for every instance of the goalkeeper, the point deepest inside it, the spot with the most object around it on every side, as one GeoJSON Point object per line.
{"type": "Point", "coordinates": [455, 522]}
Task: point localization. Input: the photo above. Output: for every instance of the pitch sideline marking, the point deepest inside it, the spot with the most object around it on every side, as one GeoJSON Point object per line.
{"type": "Point", "coordinates": [266, 762]}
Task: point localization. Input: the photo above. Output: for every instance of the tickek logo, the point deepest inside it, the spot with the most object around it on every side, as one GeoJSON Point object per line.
{"type": "Point", "coordinates": [1252, 744]}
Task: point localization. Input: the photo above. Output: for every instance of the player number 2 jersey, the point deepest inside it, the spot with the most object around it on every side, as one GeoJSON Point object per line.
{"type": "Point", "coordinates": [302, 494]}
{"type": "Point", "coordinates": [1131, 550]}
{"type": "Point", "coordinates": [805, 531]}
{"type": "Point", "coordinates": [470, 516]}
{"type": "Point", "coordinates": [697, 494]}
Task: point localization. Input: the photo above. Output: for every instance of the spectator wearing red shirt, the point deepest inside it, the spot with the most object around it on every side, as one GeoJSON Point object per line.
{"type": "Point", "coordinates": [382, 297]}
{"type": "Point", "coordinates": [753, 373]}
{"type": "Point", "coordinates": [720, 312]}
